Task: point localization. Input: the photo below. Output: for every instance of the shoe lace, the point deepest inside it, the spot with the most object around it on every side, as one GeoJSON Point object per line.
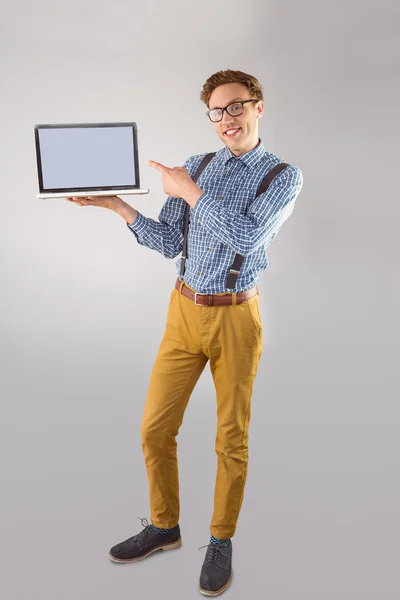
{"type": "Point", "coordinates": [212, 552]}
{"type": "Point", "coordinates": [145, 524]}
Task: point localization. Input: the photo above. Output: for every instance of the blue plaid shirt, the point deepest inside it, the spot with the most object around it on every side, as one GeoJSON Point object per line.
{"type": "Point", "coordinates": [225, 220]}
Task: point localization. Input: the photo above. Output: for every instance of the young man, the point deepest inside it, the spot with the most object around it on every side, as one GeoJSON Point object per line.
{"type": "Point", "coordinates": [207, 320]}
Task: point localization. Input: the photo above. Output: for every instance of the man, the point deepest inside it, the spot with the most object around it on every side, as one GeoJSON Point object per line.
{"type": "Point", "coordinates": [208, 321]}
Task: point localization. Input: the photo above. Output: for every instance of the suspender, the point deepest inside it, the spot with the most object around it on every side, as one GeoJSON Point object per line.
{"type": "Point", "coordinates": [238, 260]}
{"type": "Point", "coordinates": [195, 177]}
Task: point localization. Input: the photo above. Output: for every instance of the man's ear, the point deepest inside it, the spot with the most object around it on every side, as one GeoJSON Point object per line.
{"type": "Point", "coordinates": [259, 115]}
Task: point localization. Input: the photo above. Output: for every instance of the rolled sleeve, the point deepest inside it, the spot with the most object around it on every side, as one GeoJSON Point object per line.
{"type": "Point", "coordinates": [139, 224]}
{"type": "Point", "coordinates": [204, 207]}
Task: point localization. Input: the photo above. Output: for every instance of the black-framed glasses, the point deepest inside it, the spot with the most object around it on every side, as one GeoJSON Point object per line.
{"type": "Point", "coordinates": [234, 110]}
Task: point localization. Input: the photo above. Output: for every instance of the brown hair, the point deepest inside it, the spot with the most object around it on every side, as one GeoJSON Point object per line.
{"type": "Point", "coordinates": [228, 76]}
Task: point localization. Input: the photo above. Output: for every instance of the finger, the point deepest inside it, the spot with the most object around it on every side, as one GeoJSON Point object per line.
{"type": "Point", "coordinates": [159, 166]}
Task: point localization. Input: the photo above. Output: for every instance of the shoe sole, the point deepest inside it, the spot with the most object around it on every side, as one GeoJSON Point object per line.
{"type": "Point", "coordinates": [217, 592]}
{"type": "Point", "coordinates": [170, 546]}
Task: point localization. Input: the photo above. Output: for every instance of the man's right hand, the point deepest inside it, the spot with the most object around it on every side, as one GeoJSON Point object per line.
{"type": "Point", "coordinates": [110, 202]}
{"type": "Point", "coordinates": [114, 203]}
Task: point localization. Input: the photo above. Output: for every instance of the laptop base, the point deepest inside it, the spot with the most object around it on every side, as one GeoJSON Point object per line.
{"type": "Point", "coordinates": [92, 193]}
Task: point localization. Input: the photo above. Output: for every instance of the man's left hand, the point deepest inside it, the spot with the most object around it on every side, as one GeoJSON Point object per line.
{"type": "Point", "coordinates": [178, 183]}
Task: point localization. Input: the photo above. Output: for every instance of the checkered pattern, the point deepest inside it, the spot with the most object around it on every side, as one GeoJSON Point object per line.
{"type": "Point", "coordinates": [160, 530]}
{"type": "Point", "coordinates": [214, 540]}
{"type": "Point", "coordinates": [227, 219]}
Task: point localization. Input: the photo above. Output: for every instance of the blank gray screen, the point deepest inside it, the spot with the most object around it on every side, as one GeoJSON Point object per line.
{"type": "Point", "coordinates": [87, 157]}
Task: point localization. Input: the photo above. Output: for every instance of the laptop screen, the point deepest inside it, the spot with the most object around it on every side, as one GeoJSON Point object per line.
{"type": "Point", "coordinates": [87, 156]}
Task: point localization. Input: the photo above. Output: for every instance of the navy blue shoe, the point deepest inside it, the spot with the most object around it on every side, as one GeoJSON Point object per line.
{"type": "Point", "coordinates": [216, 572]}
{"type": "Point", "coordinates": [144, 543]}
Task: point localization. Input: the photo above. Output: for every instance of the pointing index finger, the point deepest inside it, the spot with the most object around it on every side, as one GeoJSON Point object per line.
{"type": "Point", "coordinates": [159, 166]}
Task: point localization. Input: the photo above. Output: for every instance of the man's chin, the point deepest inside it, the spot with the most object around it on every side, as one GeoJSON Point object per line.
{"type": "Point", "coordinates": [231, 142]}
{"type": "Point", "coordinates": [234, 144]}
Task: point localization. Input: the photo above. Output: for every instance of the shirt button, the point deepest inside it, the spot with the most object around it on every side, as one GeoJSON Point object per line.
{"type": "Point", "coordinates": [221, 197]}
{"type": "Point", "coordinates": [208, 249]}
{"type": "Point", "coordinates": [201, 272]}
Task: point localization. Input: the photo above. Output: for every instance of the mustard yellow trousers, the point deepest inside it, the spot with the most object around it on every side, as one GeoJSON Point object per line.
{"type": "Point", "coordinates": [230, 337]}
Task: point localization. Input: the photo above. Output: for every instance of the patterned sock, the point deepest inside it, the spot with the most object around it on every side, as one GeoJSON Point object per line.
{"type": "Point", "coordinates": [214, 540]}
{"type": "Point", "coordinates": [160, 530]}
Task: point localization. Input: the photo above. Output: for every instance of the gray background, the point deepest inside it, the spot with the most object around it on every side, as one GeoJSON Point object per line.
{"type": "Point", "coordinates": [83, 306]}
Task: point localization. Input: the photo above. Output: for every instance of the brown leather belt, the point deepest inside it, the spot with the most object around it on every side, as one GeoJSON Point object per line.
{"type": "Point", "coordinates": [213, 300]}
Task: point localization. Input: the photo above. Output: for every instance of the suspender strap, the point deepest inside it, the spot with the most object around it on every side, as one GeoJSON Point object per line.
{"type": "Point", "coordinates": [238, 260]}
{"type": "Point", "coordinates": [195, 177]}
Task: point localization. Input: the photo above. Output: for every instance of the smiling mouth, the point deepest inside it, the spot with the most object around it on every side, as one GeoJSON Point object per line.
{"type": "Point", "coordinates": [232, 132]}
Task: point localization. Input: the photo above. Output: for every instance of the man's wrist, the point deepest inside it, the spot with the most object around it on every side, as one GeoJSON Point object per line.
{"type": "Point", "coordinates": [124, 210]}
{"type": "Point", "coordinates": [194, 194]}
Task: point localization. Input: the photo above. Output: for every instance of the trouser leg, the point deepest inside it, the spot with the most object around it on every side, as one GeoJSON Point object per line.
{"type": "Point", "coordinates": [235, 348]}
{"type": "Point", "coordinates": [178, 365]}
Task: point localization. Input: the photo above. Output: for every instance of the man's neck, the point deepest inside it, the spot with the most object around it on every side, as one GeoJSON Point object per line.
{"type": "Point", "coordinates": [242, 151]}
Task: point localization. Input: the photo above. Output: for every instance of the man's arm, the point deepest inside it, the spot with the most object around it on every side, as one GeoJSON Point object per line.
{"type": "Point", "coordinates": [245, 233]}
{"type": "Point", "coordinates": [125, 211]}
{"type": "Point", "coordinates": [165, 235]}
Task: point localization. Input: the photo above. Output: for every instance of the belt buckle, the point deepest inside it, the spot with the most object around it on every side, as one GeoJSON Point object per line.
{"type": "Point", "coordinates": [195, 297]}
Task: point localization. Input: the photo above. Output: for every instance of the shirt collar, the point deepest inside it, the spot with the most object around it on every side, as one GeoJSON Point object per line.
{"type": "Point", "coordinates": [250, 159]}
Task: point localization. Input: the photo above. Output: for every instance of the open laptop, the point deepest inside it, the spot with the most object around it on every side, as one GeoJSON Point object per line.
{"type": "Point", "coordinates": [87, 159]}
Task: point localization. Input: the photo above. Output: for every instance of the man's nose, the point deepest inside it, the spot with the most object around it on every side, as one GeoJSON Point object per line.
{"type": "Point", "coordinates": [226, 117]}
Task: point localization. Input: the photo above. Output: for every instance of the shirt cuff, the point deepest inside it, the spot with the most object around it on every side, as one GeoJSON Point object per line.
{"type": "Point", "coordinates": [139, 224]}
{"type": "Point", "coordinates": [204, 207]}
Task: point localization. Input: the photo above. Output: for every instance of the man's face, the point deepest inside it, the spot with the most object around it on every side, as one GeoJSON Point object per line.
{"type": "Point", "coordinates": [247, 136]}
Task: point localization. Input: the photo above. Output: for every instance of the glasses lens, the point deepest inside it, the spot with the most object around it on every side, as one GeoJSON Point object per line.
{"type": "Point", "coordinates": [235, 109]}
{"type": "Point", "coordinates": [215, 114]}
